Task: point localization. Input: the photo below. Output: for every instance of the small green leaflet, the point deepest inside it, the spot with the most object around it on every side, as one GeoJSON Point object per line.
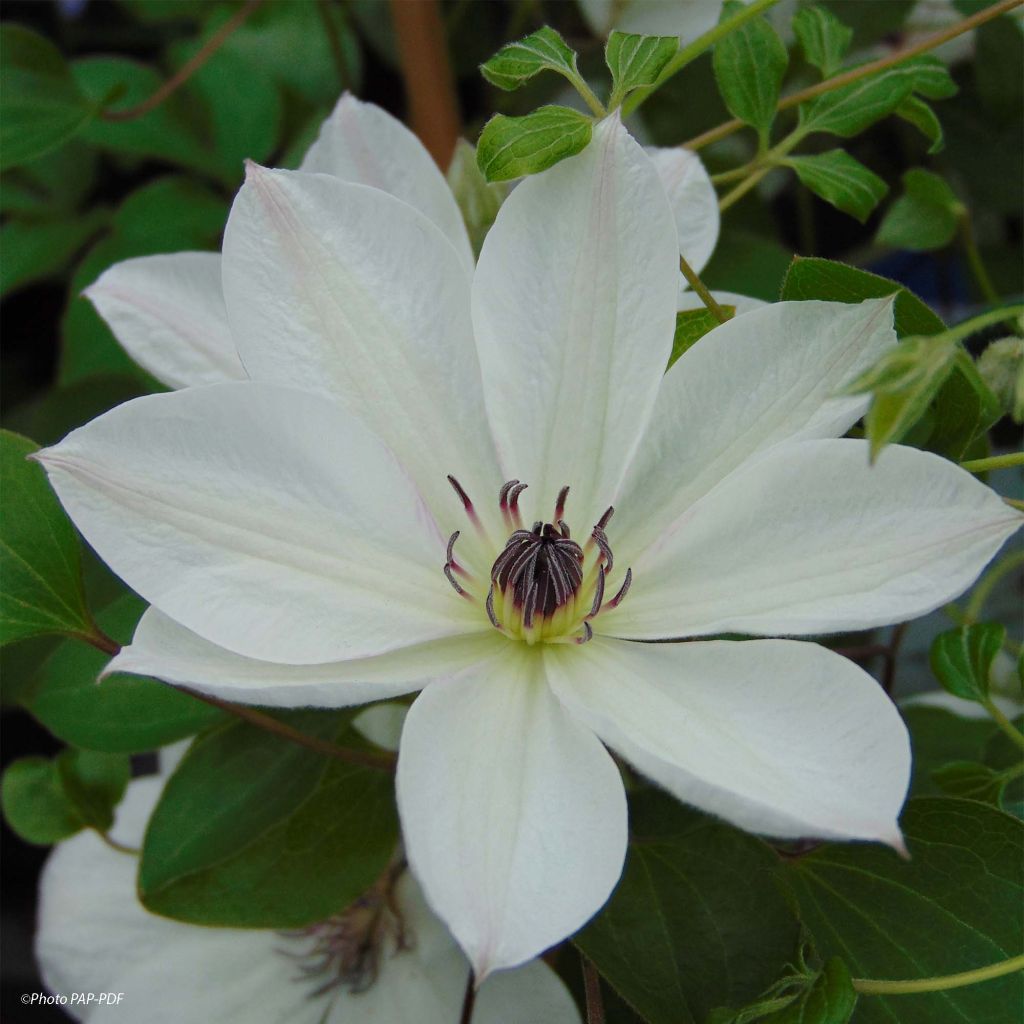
{"type": "Point", "coordinates": [45, 801]}
{"type": "Point", "coordinates": [841, 180]}
{"type": "Point", "coordinates": [931, 77]}
{"type": "Point", "coordinates": [517, 63]}
{"type": "Point", "coordinates": [511, 147]}
{"type": "Point", "coordinates": [41, 107]}
{"type": "Point", "coordinates": [916, 112]}
{"type": "Point", "coordinates": [824, 38]}
{"type": "Point", "coordinates": [970, 780]}
{"type": "Point", "coordinates": [749, 64]}
{"type": "Point", "coordinates": [962, 658]}
{"type": "Point", "coordinates": [692, 325]}
{"type": "Point", "coordinates": [636, 61]}
{"type": "Point", "coordinates": [925, 217]}
{"type": "Point", "coordinates": [851, 109]}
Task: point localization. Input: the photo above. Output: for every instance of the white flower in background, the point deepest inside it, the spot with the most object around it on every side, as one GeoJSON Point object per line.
{"type": "Point", "coordinates": [348, 525]}
{"type": "Point", "coordinates": [1005, 691]}
{"type": "Point", "coordinates": [387, 959]}
{"type": "Point", "coordinates": [687, 19]}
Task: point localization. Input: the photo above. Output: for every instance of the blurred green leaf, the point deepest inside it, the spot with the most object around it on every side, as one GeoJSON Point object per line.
{"type": "Point", "coordinates": [748, 264]}
{"type": "Point", "coordinates": [931, 77]}
{"type": "Point", "coordinates": [51, 186]}
{"type": "Point", "coordinates": [998, 59]}
{"type": "Point", "coordinates": [168, 132]}
{"type": "Point", "coordinates": [41, 107]}
{"type": "Point", "coordinates": [510, 147]}
{"type": "Point", "coordinates": [691, 326]}
{"type": "Point", "coordinates": [749, 65]}
{"type": "Point", "coordinates": [964, 409]}
{"type": "Point", "coordinates": [121, 713]}
{"type": "Point", "coordinates": [916, 112]}
{"type": "Point", "coordinates": [824, 38]}
{"type": "Point", "coordinates": [35, 804]}
{"type": "Point", "coordinates": [841, 180]}
{"type": "Point", "coordinates": [970, 780]}
{"type": "Point", "coordinates": [849, 110]}
{"type": "Point", "coordinates": [942, 911]}
{"type": "Point", "coordinates": [40, 560]}
{"type": "Point", "coordinates": [543, 50]}
{"type": "Point", "coordinates": [36, 250]}
{"type": "Point", "coordinates": [479, 201]}
{"type": "Point", "coordinates": [939, 737]}
{"type": "Point", "coordinates": [290, 43]}
{"type": "Point", "coordinates": [925, 217]}
{"type": "Point", "coordinates": [962, 658]}
{"type": "Point", "coordinates": [94, 783]}
{"type": "Point", "coordinates": [697, 921]}
{"type": "Point", "coordinates": [636, 61]}
{"type": "Point", "coordinates": [252, 831]}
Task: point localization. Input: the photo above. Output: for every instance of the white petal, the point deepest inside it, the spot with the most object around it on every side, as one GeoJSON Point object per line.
{"type": "Point", "coordinates": [363, 143]}
{"type": "Point", "coordinates": [513, 814]}
{"type": "Point", "coordinates": [574, 307]}
{"type": "Point", "coordinates": [742, 303]}
{"type": "Point", "coordinates": [765, 376]}
{"type": "Point", "coordinates": [266, 520]}
{"type": "Point", "coordinates": [342, 289]}
{"type": "Point", "coordinates": [165, 650]}
{"type": "Point", "coordinates": [684, 18]}
{"type": "Point", "coordinates": [426, 983]}
{"type": "Point", "coordinates": [809, 538]}
{"type": "Point", "coordinates": [693, 199]}
{"type": "Point", "coordinates": [168, 313]}
{"type": "Point", "coordinates": [776, 736]}
{"type": "Point", "coordinates": [946, 701]}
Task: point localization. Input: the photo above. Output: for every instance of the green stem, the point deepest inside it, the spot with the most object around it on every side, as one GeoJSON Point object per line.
{"type": "Point", "coordinates": [1014, 503]}
{"type": "Point", "coordinates": [974, 260]}
{"type": "Point", "coordinates": [855, 74]}
{"type": "Point", "coordinates": [591, 100]}
{"type": "Point", "coordinates": [693, 50]}
{"type": "Point", "coordinates": [761, 166]}
{"type": "Point", "coordinates": [132, 851]}
{"type": "Point", "coordinates": [1004, 723]}
{"type": "Point", "coordinates": [870, 987]}
{"type": "Point", "coordinates": [987, 583]}
{"type": "Point", "coordinates": [334, 42]}
{"type": "Point", "coordinates": [994, 462]}
{"type": "Point", "coordinates": [702, 290]}
{"type": "Point", "coordinates": [978, 323]}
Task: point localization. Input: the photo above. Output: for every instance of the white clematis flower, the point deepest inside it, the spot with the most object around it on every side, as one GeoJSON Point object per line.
{"type": "Point", "coordinates": [387, 959]}
{"type": "Point", "coordinates": [348, 525]}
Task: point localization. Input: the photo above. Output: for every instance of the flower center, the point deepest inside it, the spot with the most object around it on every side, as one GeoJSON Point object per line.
{"type": "Point", "coordinates": [543, 585]}
{"type": "Point", "coordinates": [346, 949]}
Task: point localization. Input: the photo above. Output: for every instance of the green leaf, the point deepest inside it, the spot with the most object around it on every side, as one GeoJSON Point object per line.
{"type": "Point", "coordinates": [511, 147]}
{"type": "Point", "coordinates": [636, 61]}
{"type": "Point", "coordinates": [824, 38]}
{"type": "Point", "coordinates": [918, 113]}
{"type": "Point", "coordinates": [964, 409]}
{"type": "Point", "coordinates": [121, 713]}
{"type": "Point", "coordinates": [35, 804]}
{"type": "Point", "coordinates": [45, 801]}
{"type": "Point", "coordinates": [697, 920]}
{"type": "Point", "coordinates": [931, 77]}
{"type": "Point", "coordinates": [925, 217]}
{"type": "Point", "coordinates": [749, 65]}
{"type": "Point", "coordinates": [478, 200]}
{"type": "Point", "coordinates": [851, 109]}
{"type": "Point", "coordinates": [167, 132]}
{"type": "Point", "coordinates": [962, 658]}
{"type": "Point", "coordinates": [40, 560]}
{"type": "Point", "coordinates": [970, 780]}
{"type": "Point", "coordinates": [747, 263]}
{"type": "Point", "coordinates": [946, 910]}
{"type": "Point", "coordinates": [841, 180]}
{"type": "Point", "coordinates": [516, 63]}
{"type": "Point", "coordinates": [94, 782]}
{"type": "Point", "coordinates": [939, 737]}
{"type": "Point", "coordinates": [54, 185]}
{"type": "Point", "coordinates": [692, 325]}
{"type": "Point", "coordinates": [255, 832]}
{"type": "Point", "coordinates": [41, 107]}
{"type": "Point", "coordinates": [36, 250]}
{"type": "Point", "coordinates": [815, 278]}
{"type": "Point", "coordinates": [829, 999]}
